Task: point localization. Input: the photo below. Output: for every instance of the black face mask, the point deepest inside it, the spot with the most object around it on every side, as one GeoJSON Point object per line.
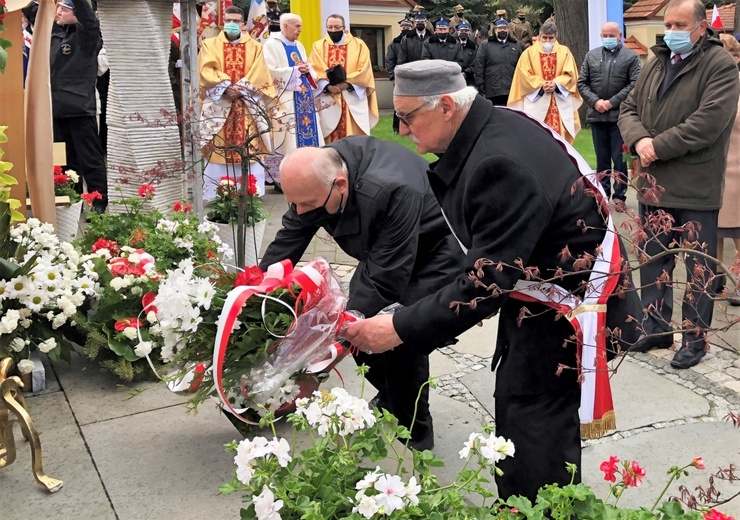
{"type": "Point", "coordinates": [405, 32]}
{"type": "Point", "coordinates": [502, 35]}
{"type": "Point", "coordinates": [319, 216]}
{"type": "Point", "coordinates": [522, 18]}
{"type": "Point", "coordinates": [421, 26]}
{"type": "Point", "coordinates": [336, 36]}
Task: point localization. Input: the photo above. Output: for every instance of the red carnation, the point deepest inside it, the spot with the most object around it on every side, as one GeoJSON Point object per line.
{"type": "Point", "coordinates": [251, 275]}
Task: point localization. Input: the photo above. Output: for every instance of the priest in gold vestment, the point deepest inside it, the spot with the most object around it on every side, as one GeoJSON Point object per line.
{"type": "Point", "coordinates": [348, 107]}
{"type": "Point", "coordinates": [545, 84]}
{"type": "Point", "coordinates": [235, 88]}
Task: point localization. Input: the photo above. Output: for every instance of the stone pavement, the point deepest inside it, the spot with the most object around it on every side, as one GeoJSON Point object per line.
{"type": "Point", "coordinates": [144, 457]}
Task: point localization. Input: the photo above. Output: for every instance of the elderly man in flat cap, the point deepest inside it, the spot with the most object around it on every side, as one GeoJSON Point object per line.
{"type": "Point", "coordinates": [531, 207]}
{"type": "Point", "coordinates": [374, 199]}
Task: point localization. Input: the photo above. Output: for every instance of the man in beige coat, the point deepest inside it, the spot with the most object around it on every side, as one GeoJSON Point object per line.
{"type": "Point", "coordinates": [678, 121]}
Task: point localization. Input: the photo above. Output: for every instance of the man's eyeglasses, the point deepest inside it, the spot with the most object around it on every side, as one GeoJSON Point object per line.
{"type": "Point", "coordinates": [405, 118]}
{"type": "Point", "coordinates": [335, 27]}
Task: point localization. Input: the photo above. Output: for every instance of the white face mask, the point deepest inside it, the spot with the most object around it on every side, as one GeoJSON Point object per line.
{"type": "Point", "coordinates": [548, 47]}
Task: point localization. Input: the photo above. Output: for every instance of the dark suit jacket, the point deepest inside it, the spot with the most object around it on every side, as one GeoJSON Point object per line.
{"type": "Point", "coordinates": [509, 199]}
{"type": "Point", "coordinates": [391, 223]}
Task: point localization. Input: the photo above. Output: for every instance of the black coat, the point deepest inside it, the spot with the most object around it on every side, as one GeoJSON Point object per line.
{"type": "Point", "coordinates": [434, 49]}
{"type": "Point", "coordinates": [608, 75]}
{"type": "Point", "coordinates": [391, 223]}
{"type": "Point", "coordinates": [391, 55]}
{"type": "Point", "coordinates": [467, 55]}
{"type": "Point", "coordinates": [509, 198]}
{"type": "Point", "coordinates": [74, 64]}
{"type": "Point", "coordinates": [411, 47]}
{"type": "Point", "coordinates": [495, 64]}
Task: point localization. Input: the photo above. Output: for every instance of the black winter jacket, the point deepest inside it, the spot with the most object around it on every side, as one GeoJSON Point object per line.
{"type": "Point", "coordinates": [391, 223]}
{"type": "Point", "coordinates": [450, 50]}
{"type": "Point", "coordinates": [411, 47]}
{"type": "Point", "coordinates": [391, 55]}
{"type": "Point", "coordinates": [607, 75]}
{"type": "Point", "coordinates": [494, 65]}
{"type": "Point", "coordinates": [74, 64]}
{"type": "Point", "coordinates": [467, 51]}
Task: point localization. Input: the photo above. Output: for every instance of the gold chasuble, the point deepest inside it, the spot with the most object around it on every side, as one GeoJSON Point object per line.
{"type": "Point", "coordinates": [225, 126]}
{"type": "Point", "coordinates": [559, 111]}
{"type": "Point", "coordinates": [352, 112]}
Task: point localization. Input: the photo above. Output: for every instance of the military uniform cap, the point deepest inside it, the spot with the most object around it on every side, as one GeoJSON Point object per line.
{"type": "Point", "coordinates": [420, 17]}
{"type": "Point", "coordinates": [442, 23]}
{"type": "Point", "coordinates": [463, 25]}
{"type": "Point", "coordinates": [501, 22]}
{"type": "Point", "coordinates": [458, 7]}
{"type": "Point", "coordinates": [405, 21]}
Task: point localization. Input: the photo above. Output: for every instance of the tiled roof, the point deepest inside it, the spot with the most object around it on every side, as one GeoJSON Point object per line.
{"type": "Point", "coordinates": [634, 44]}
{"type": "Point", "coordinates": [644, 9]}
{"type": "Point", "coordinates": [727, 14]}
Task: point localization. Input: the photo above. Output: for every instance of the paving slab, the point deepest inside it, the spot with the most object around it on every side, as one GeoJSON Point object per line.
{"type": "Point", "coordinates": [657, 450]}
{"type": "Point", "coordinates": [441, 364]}
{"type": "Point", "coordinates": [480, 341]}
{"type": "Point", "coordinates": [65, 457]}
{"type": "Point", "coordinates": [99, 396]}
{"type": "Point", "coordinates": [165, 463]}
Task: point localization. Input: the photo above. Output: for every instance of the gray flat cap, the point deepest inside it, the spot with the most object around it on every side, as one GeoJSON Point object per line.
{"type": "Point", "coordinates": [428, 78]}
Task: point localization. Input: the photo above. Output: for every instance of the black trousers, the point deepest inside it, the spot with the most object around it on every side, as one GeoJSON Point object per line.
{"type": "Point", "coordinates": [398, 374]}
{"type": "Point", "coordinates": [84, 153]}
{"type": "Point", "coordinates": [499, 101]}
{"type": "Point", "coordinates": [698, 306]}
{"type": "Point", "coordinates": [546, 433]}
{"type": "Point", "coordinates": [608, 146]}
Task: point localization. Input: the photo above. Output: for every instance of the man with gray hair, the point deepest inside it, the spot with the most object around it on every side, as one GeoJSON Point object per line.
{"type": "Point", "coordinates": [374, 199]}
{"type": "Point", "coordinates": [678, 121]}
{"type": "Point", "coordinates": [520, 213]}
{"type": "Point", "coordinates": [294, 117]}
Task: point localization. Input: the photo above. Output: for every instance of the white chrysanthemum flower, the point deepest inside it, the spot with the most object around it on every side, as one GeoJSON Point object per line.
{"type": "Point", "coordinates": [48, 345]}
{"type": "Point", "coordinates": [26, 366]}
{"type": "Point", "coordinates": [19, 287]}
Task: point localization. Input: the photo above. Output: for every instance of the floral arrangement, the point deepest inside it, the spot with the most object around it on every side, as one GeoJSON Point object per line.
{"type": "Point", "coordinates": [43, 288]}
{"type": "Point", "coordinates": [64, 184]}
{"type": "Point", "coordinates": [331, 478]}
{"type": "Point", "coordinates": [224, 208]}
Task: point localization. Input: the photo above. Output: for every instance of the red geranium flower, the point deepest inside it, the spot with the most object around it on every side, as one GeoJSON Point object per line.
{"type": "Point", "coordinates": [127, 322]}
{"type": "Point", "coordinates": [102, 243]}
{"type": "Point", "coordinates": [188, 208]}
{"type": "Point", "coordinates": [90, 197]}
{"type": "Point", "coordinates": [713, 514]}
{"type": "Point", "coordinates": [137, 236]}
{"type": "Point", "coordinates": [146, 190]}
{"type": "Point", "coordinates": [251, 275]}
{"type": "Point", "coordinates": [177, 206]}
{"type": "Point", "coordinates": [632, 474]}
{"type": "Point", "coordinates": [57, 170]}
{"type": "Point", "coordinates": [251, 185]}
{"type": "Point", "coordinates": [698, 463]}
{"type": "Point", "coordinates": [609, 467]}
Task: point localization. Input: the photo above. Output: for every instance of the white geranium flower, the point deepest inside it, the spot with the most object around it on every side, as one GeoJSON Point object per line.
{"type": "Point", "coordinates": [412, 490]}
{"type": "Point", "coordinates": [48, 345]}
{"type": "Point", "coordinates": [469, 445]}
{"type": "Point", "coordinates": [143, 349]}
{"type": "Point", "coordinates": [281, 449]}
{"type": "Point", "coordinates": [367, 506]}
{"type": "Point", "coordinates": [265, 505]}
{"type": "Point", "coordinates": [74, 177]}
{"type": "Point", "coordinates": [391, 493]}
{"type": "Point", "coordinates": [505, 447]}
{"type": "Point", "coordinates": [26, 366]}
{"type": "Point", "coordinates": [369, 479]}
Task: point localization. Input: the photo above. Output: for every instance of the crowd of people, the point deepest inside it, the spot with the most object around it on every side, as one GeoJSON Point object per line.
{"type": "Point", "coordinates": [502, 190]}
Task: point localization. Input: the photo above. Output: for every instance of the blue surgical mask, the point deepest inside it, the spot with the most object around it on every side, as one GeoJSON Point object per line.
{"type": "Point", "coordinates": [232, 28]}
{"type": "Point", "coordinates": [609, 43]}
{"type": "Point", "coordinates": [679, 41]}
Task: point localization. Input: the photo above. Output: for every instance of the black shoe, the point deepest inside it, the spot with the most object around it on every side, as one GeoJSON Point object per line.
{"type": "Point", "coordinates": [687, 358]}
{"type": "Point", "coordinates": [427, 443]}
{"type": "Point", "coordinates": [379, 403]}
{"type": "Point", "coordinates": [99, 208]}
{"type": "Point", "coordinates": [647, 343]}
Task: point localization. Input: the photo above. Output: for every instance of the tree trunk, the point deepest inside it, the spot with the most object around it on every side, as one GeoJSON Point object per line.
{"type": "Point", "coordinates": [571, 17]}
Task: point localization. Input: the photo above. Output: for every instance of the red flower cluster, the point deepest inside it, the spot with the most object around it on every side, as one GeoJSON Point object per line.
{"type": "Point", "coordinates": [60, 179]}
{"type": "Point", "coordinates": [146, 190]}
{"type": "Point", "coordinates": [127, 322]}
{"type": "Point", "coordinates": [58, 170]}
{"type": "Point", "coordinates": [610, 468]}
{"type": "Point", "coordinates": [137, 236]}
{"type": "Point", "coordinates": [251, 185]}
{"type": "Point", "coordinates": [90, 197]}
{"type": "Point", "coordinates": [3, 9]}
{"type": "Point", "coordinates": [179, 206]}
{"type": "Point", "coordinates": [632, 474]}
{"type": "Point", "coordinates": [713, 514]}
{"type": "Point", "coordinates": [147, 302]}
{"type": "Point", "coordinates": [123, 266]}
{"type": "Point", "coordinates": [252, 275]}
{"type": "Point", "coordinates": [102, 243]}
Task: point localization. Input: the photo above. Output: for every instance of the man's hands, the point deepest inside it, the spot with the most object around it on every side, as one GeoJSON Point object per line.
{"type": "Point", "coordinates": [338, 88]}
{"type": "Point", "coordinates": [603, 105]}
{"type": "Point", "coordinates": [303, 68]}
{"type": "Point", "coordinates": [549, 87]}
{"type": "Point", "coordinates": [374, 335]}
{"type": "Point", "coordinates": [646, 151]}
{"type": "Point", "coordinates": [231, 94]}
